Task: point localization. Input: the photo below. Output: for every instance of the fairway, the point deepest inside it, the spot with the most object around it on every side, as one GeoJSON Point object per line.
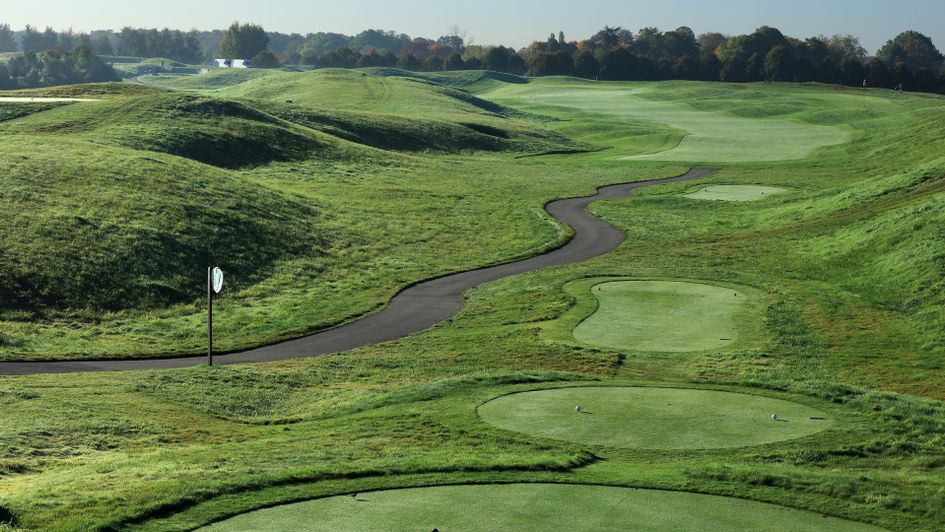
{"type": "Point", "coordinates": [663, 316]}
{"type": "Point", "coordinates": [735, 192]}
{"type": "Point", "coordinates": [533, 507]}
{"type": "Point", "coordinates": [706, 136]}
{"type": "Point", "coordinates": [653, 418]}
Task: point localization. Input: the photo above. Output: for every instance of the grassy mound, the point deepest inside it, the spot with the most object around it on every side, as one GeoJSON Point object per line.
{"type": "Point", "coordinates": [665, 316]}
{"type": "Point", "coordinates": [735, 192]}
{"type": "Point", "coordinates": [219, 132]}
{"type": "Point", "coordinates": [533, 507]}
{"type": "Point", "coordinates": [653, 418]}
{"type": "Point", "coordinates": [145, 241]}
{"type": "Point", "coordinates": [378, 109]}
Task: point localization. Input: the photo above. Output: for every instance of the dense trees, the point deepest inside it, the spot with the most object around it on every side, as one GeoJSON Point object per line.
{"type": "Point", "coordinates": [7, 41]}
{"type": "Point", "coordinates": [910, 60]}
{"type": "Point", "coordinates": [54, 67]}
{"type": "Point", "coordinates": [243, 41]}
{"type": "Point", "coordinates": [172, 44]}
{"type": "Point", "coordinates": [913, 49]}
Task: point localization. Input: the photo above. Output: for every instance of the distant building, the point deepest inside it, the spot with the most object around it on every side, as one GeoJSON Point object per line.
{"type": "Point", "coordinates": [233, 63]}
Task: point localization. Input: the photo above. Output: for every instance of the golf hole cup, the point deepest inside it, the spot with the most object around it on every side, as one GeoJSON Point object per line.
{"type": "Point", "coordinates": [577, 409]}
{"type": "Point", "coordinates": [774, 417]}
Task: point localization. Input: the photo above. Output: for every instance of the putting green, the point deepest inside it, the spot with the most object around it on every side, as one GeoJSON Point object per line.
{"type": "Point", "coordinates": [735, 192]}
{"type": "Point", "coordinates": [653, 418]}
{"type": "Point", "coordinates": [533, 507]}
{"type": "Point", "coordinates": [664, 316]}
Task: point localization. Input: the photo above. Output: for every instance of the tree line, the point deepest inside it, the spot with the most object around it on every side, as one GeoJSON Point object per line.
{"type": "Point", "coordinates": [909, 61]}
{"type": "Point", "coordinates": [54, 67]}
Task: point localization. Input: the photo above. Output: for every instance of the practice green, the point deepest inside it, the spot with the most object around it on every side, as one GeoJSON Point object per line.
{"type": "Point", "coordinates": [735, 192]}
{"type": "Point", "coordinates": [653, 418]}
{"type": "Point", "coordinates": [533, 507]}
{"type": "Point", "coordinates": [664, 316]}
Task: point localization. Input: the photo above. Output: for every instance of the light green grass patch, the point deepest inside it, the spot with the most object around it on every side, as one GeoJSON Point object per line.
{"type": "Point", "coordinates": [665, 316]}
{"type": "Point", "coordinates": [533, 507]}
{"type": "Point", "coordinates": [708, 136]}
{"type": "Point", "coordinates": [735, 192]}
{"type": "Point", "coordinates": [653, 418]}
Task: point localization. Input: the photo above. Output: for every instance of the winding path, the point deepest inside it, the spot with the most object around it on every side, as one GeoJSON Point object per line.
{"type": "Point", "coordinates": [414, 309]}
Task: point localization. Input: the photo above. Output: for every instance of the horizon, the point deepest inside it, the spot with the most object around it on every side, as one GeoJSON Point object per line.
{"type": "Point", "coordinates": [801, 19]}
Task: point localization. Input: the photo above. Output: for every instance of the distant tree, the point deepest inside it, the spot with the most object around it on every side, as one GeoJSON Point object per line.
{"type": "Point", "coordinates": [912, 48]}
{"type": "Point", "coordinates": [779, 64]}
{"type": "Point", "coordinates": [804, 70]}
{"type": "Point", "coordinates": [710, 42]}
{"type": "Point", "coordinates": [39, 41]}
{"type": "Point", "coordinates": [378, 40]}
{"type": "Point", "coordinates": [66, 40]}
{"type": "Point", "coordinates": [687, 68]}
{"type": "Point", "coordinates": [649, 44]}
{"type": "Point", "coordinates": [710, 66]}
{"type": "Point", "coordinates": [903, 75]}
{"type": "Point", "coordinates": [611, 37]}
{"type": "Point", "coordinates": [7, 42]}
{"type": "Point", "coordinates": [454, 62]}
{"type": "Point", "coordinates": [852, 72]}
{"type": "Point", "coordinates": [925, 81]}
{"type": "Point", "coordinates": [550, 64]}
{"type": "Point", "coordinates": [409, 62]}
{"type": "Point", "coordinates": [340, 58]}
{"type": "Point", "coordinates": [586, 65]}
{"type": "Point", "coordinates": [6, 82]}
{"type": "Point", "coordinates": [842, 47]}
{"type": "Point", "coordinates": [828, 71]}
{"type": "Point", "coordinates": [620, 64]}
{"type": "Point", "coordinates": [877, 73]}
{"type": "Point", "coordinates": [473, 63]}
{"type": "Point", "coordinates": [243, 41]}
{"type": "Point", "coordinates": [677, 44]}
{"type": "Point", "coordinates": [265, 59]}
{"type": "Point", "coordinates": [101, 44]}
{"type": "Point", "coordinates": [733, 69]}
{"type": "Point", "coordinates": [516, 64]}
{"type": "Point", "coordinates": [496, 59]}
{"type": "Point", "coordinates": [433, 64]}
{"type": "Point", "coordinates": [754, 69]}
{"type": "Point", "coordinates": [455, 40]}
{"type": "Point", "coordinates": [941, 80]}
{"type": "Point", "coordinates": [369, 59]}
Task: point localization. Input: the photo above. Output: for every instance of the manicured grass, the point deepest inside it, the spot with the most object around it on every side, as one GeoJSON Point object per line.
{"type": "Point", "coordinates": [735, 192]}
{"type": "Point", "coordinates": [532, 507]}
{"type": "Point", "coordinates": [653, 418]}
{"type": "Point", "coordinates": [666, 316]}
{"type": "Point", "coordinates": [704, 136]}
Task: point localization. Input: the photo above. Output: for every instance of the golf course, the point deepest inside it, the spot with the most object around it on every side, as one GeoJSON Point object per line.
{"type": "Point", "coordinates": [471, 300]}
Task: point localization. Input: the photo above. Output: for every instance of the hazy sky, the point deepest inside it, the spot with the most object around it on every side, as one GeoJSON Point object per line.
{"type": "Point", "coordinates": [510, 22]}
